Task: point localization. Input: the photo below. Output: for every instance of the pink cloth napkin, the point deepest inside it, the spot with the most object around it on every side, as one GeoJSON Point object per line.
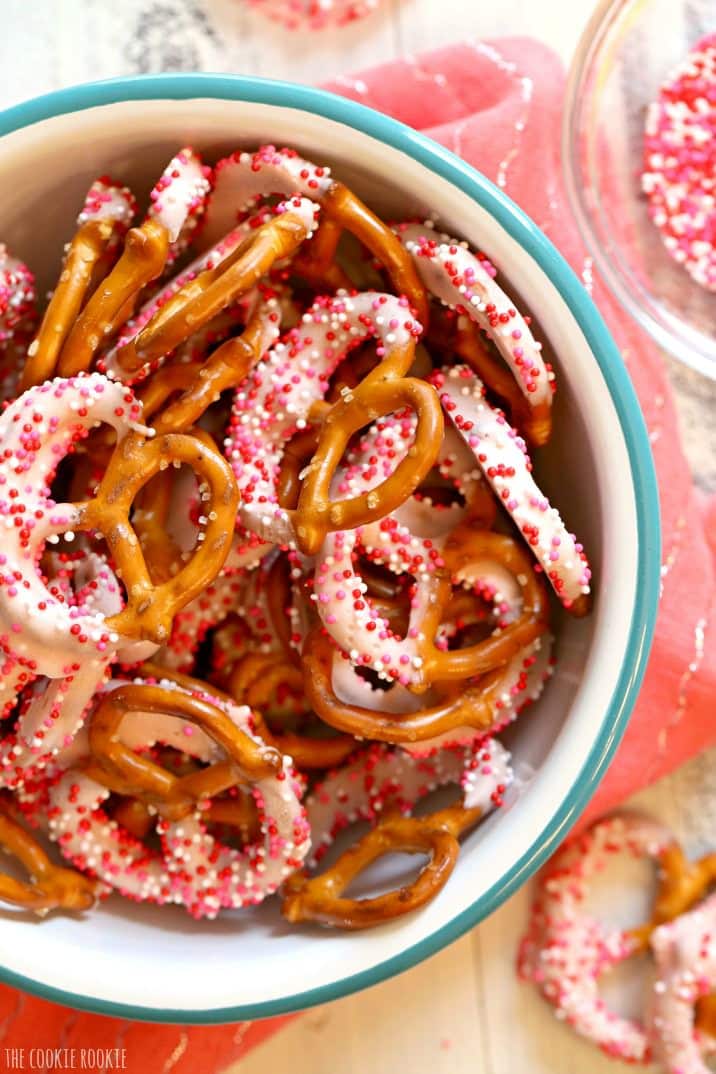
{"type": "Point", "coordinates": [497, 104]}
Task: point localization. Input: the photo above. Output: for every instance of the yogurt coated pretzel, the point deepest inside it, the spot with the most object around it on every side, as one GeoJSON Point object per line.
{"type": "Point", "coordinates": [469, 556]}
{"type": "Point", "coordinates": [50, 887]}
{"type": "Point", "coordinates": [178, 199]}
{"type": "Point", "coordinates": [380, 785]}
{"type": "Point", "coordinates": [277, 400]}
{"type": "Point", "coordinates": [503, 458]}
{"type": "Point", "coordinates": [567, 949]}
{"type": "Point", "coordinates": [464, 282]}
{"type": "Point", "coordinates": [468, 712]}
{"type": "Point", "coordinates": [243, 179]}
{"type": "Point", "coordinates": [685, 953]}
{"type": "Point", "coordinates": [18, 317]}
{"type": "Point", "coordinates": [151, 607]}
{"type": "Point", "coordinates": [37, 430]}
{"type": "Point", "coordinates": [52, 711]}
{"type": "Point", "coordinates": [421, 724]}
{"type": "Point", "coordinates": [210, 292]}
{"type": "Point", "coordinates": [193, 868]}
{"type": "Point", "coordinates": [101, 225]}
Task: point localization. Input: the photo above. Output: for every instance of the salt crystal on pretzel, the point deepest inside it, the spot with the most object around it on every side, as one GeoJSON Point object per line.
{"type": "Point", "coordinates": [567, 948]}
{"type": "Point", "coordinates": [502, 456]}
{"type": "Point", "coordinates": [461, 280]}
{"type": "Point", "coordinates": [37, 430]}
{"type": "Point", "coordinates": [685, 952]}
{"type": "Point", "coordinates": [277, 398]}
{"type": "Point", "coordinates": [178, 198]}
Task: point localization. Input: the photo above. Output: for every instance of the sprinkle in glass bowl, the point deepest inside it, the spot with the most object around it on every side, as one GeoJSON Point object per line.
{"type": "Point", "coordinates": [627, 52]}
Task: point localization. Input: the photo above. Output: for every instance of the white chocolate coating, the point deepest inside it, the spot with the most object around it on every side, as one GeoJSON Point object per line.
{"type": "Point", "coordinates": [502, 455]}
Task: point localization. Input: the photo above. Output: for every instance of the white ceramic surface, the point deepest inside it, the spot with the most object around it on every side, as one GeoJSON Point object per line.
{"type": "Point", "coordinates": [158, 958]}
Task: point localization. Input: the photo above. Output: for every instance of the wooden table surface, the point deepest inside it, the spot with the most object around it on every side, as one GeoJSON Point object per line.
{"type": "Point", "coordinates": [461, 1012]}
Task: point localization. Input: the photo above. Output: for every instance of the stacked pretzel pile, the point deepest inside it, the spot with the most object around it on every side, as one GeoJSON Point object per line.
{"type": "Point", "coordinates": [273, 557]}
{"type": "Point", "coordinates": [568, 949]}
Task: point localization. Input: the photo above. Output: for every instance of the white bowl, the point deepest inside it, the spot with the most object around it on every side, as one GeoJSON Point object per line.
{"type": "Point", "coordinates": [155, 963]}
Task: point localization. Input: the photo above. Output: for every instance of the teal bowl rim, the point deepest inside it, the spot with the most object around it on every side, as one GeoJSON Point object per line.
{"type": "Point", "coordinates": [523, 230]}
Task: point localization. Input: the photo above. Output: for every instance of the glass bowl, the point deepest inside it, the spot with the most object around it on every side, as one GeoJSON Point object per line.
{"type": "Point", "coordinates": [627, 51]}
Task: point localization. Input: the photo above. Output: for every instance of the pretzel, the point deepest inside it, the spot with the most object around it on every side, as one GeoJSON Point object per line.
{"type": "Point", "coordinates": [566, 949]}
{"type": "Point", "coordinates": [192, 868]}
{"type": "Point", "coordinates": [377, 786]}
{"type": "Point", "coordinates": [226, 368]}
{"type": "Point", "coordinates": [485, 706]}
{"type": "Point", "coordinates": [18, 319]}
{"type": "Point", "coordinates": [50, 887]}
{"type": "Point", "coordinates": [414, 660]}
{"type": "Point", "coordinates": [144, 256]}
{"type": "Point", "coordinates": [150, 607]}
{"type": "Point", "coordinates": [685, 953]}
{"type": "Point", "coordinates": [211, 291]}
{"type": "Point", "coordinates": [319, 899]}
{"type": "Point", "coordinates": [466, 283]}
{"type": "Point", "coordinates": [105, 217]}
{"type": "Point", "coordinates": [209, 260]}
{"type": "Point", "coordinates": [242, 179]}
{"type": "Point", "coordinates": [178, 199]}
{"type": "Point", "coordinates": [457, 336]}
{"type": "Point", "coordinates": [125, 772]}
{"type": "Point", "coordinates": [503, 458]}
{"type": "Point", "coordinates": [37, 430]}
{"type": "Point", "coordinates": [301, 366]}
{"type": "Point", "coordinates": [253, 682]}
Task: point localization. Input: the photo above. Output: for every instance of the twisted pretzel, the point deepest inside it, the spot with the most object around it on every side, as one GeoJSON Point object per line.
{"type": "Point", "coordinates": [560, 925]}
{"type": "Point", "coordinates": [192, 868]}
{"type": "Point", "coordinates": [685, 953]}
{"type": "Point", "coordinates": [242, 179]}
{"type": "Point", "coordinates": [279, 395]}
{"type": "Point", "coordinates": [321, 899]}
{"type": "Point", "coordinates": [125, 772]}
{"type": "Point", "coordinates": [466, 283]}
{"type": "Point", "coordinates": [492, 701]}
{"type": "Point", "coordinates": [51, 887]}
{"type": "Point", "coordinates": [207, 294]}
{"type": "Point", "coordinates": [103, 222]}
{"type": "Point", "coordinates": [376, 786]}
{"type": "Point", "coordinates": [415, 660]}
{"type": "Point", "coordinates": [144, 256]}
{"type": "Point", "coordinates": [502, 456]}
{"type": "Point", "coordinates": [150, 607]}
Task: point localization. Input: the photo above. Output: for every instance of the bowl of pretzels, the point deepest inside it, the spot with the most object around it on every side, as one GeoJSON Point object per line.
{"type": "Point", "coordinates": [330, 554]}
